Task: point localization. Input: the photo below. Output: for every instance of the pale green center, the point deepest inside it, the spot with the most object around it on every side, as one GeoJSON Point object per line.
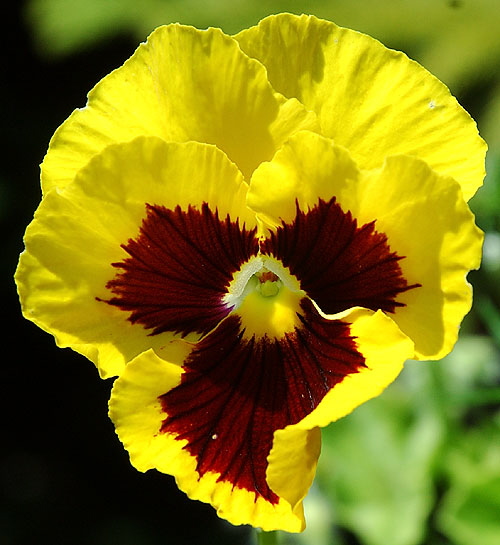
{"type": "Point", "coordinates": [263, 276]}
{"type": "Point", "coordinates": [268, 284]}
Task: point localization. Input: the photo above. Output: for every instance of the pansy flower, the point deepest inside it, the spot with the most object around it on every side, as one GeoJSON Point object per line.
{"type": "Point", "coordinates": [254, 233]}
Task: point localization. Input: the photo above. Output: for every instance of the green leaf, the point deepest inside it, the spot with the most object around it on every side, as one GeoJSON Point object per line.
{"type": "Point", "coordinates": [470, 511]}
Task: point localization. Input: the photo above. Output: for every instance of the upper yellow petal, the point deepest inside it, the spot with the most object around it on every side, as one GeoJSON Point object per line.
{"type": "Point", "coordinates": [182, 84]}
{"type": "Point", "coordinates": [370, 99]}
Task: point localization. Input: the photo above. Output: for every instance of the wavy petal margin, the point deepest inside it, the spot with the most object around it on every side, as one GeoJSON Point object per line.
{"type": "Point", "coordinates": [79, 232]}
{"type": "Point", "coordinates": [182, 84]}
{"type": "Point", "coordinates": [196, 448]}
{"type": "Point", "coordinates": [374, 101]}
{"type": "Point", "coordinates": [423, 215]}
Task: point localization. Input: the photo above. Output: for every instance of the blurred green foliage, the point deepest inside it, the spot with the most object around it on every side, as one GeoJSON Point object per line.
{"type": "Point", "coordinates": [423, 459]}
{"type": "Point", "coordinates": [420, 464]}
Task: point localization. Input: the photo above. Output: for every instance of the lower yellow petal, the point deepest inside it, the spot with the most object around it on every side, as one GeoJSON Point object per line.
{"type": "Point", "coordinates": [292, 464]}
{"type": "Point", "coordinates": [228, 422]}
{"type": "Point", "coordinates": [385, 349]}
{"type": "Point", "coordinates": [137, 414]}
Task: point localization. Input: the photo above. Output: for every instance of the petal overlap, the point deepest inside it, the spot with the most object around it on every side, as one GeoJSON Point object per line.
{"type": "Point", "coordinates": [418, 214]}
{"type": "Point", "coordinates": [181, 85]}
{"type": "Point", "coordinates": [253, 233]}
{"type": "Point", "coordinates": [374, 101]}
{"type": "Point", "coordinates": [234, 394]}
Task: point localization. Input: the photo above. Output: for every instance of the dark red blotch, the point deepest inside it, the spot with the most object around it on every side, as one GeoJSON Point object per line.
{"type": "Point", "coordinates": [236, 392]}
{"type": "Point", "coordinates": [179, 269]}
{"type": "Point", "coordinates": [339, 264]}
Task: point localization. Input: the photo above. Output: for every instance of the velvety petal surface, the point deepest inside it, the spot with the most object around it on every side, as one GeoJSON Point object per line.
{"type": "Point", "coordinates": [419, 216]}
{"type": "Point", "coordinates": [213, 424]}
{"type": "Point", "coordinates": [370, 99]}
{"type": "Point", "coordinates": [139, 248]}
{"type": "Point", "coordinates": [182, 84]}
{"type": "Point", "coordinates": [137, 413]}
{"type": "Point", "coordinates": [340, 264]}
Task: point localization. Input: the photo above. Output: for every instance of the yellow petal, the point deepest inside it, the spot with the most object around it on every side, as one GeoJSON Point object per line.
{"type": "Point", "coordinates": [308, 167]}
{"type": "Point", "coordinates": [372, 100]}
{"type": "Point", "coordinates": [78, 231]}
{"type": "Point", "coordinates": [427, 221]}
{"type": "Point", "coordinates": [385, 349]}
{"type": "Point", "coordinates": [423, 215]}
{"type": "Point", "coordinates": [292, 464]}
{"type": "Point", "coordinates": [182, 84]}
{"type": "Point", "coordinates": [136, 411]}
{"type": "Point", "coordinates": [139, 416]}
{"type": "Point", "coordinates": [222, 426]}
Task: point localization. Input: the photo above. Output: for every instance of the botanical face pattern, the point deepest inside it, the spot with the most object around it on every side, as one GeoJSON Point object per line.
{"type": "Point", "coordinates": [253, 233]}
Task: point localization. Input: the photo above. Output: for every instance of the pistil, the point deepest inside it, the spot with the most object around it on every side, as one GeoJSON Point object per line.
{"type": "Point", "coordinates": [269, 283]}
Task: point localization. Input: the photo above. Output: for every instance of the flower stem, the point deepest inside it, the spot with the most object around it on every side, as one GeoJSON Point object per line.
{"type": "Point", "coordinates": [267, 538]}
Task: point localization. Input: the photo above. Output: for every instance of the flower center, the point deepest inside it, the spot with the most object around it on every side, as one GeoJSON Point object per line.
{"type": "Point", "coordinates": [266, 297]}
{"type": "Point", "coordinates": [269, 283]}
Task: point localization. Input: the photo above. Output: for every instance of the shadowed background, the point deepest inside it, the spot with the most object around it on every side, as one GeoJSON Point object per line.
{"type": "Point", "coordinates": [418, 466]}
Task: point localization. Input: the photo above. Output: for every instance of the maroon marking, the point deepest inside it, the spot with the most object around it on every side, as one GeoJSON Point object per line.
{"type": "Point", "coordinates": [179, 269]}
{"type": "Point", "coordinates": [339, 265]}
{"type": "Point", "coordinates": [236, 392]}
